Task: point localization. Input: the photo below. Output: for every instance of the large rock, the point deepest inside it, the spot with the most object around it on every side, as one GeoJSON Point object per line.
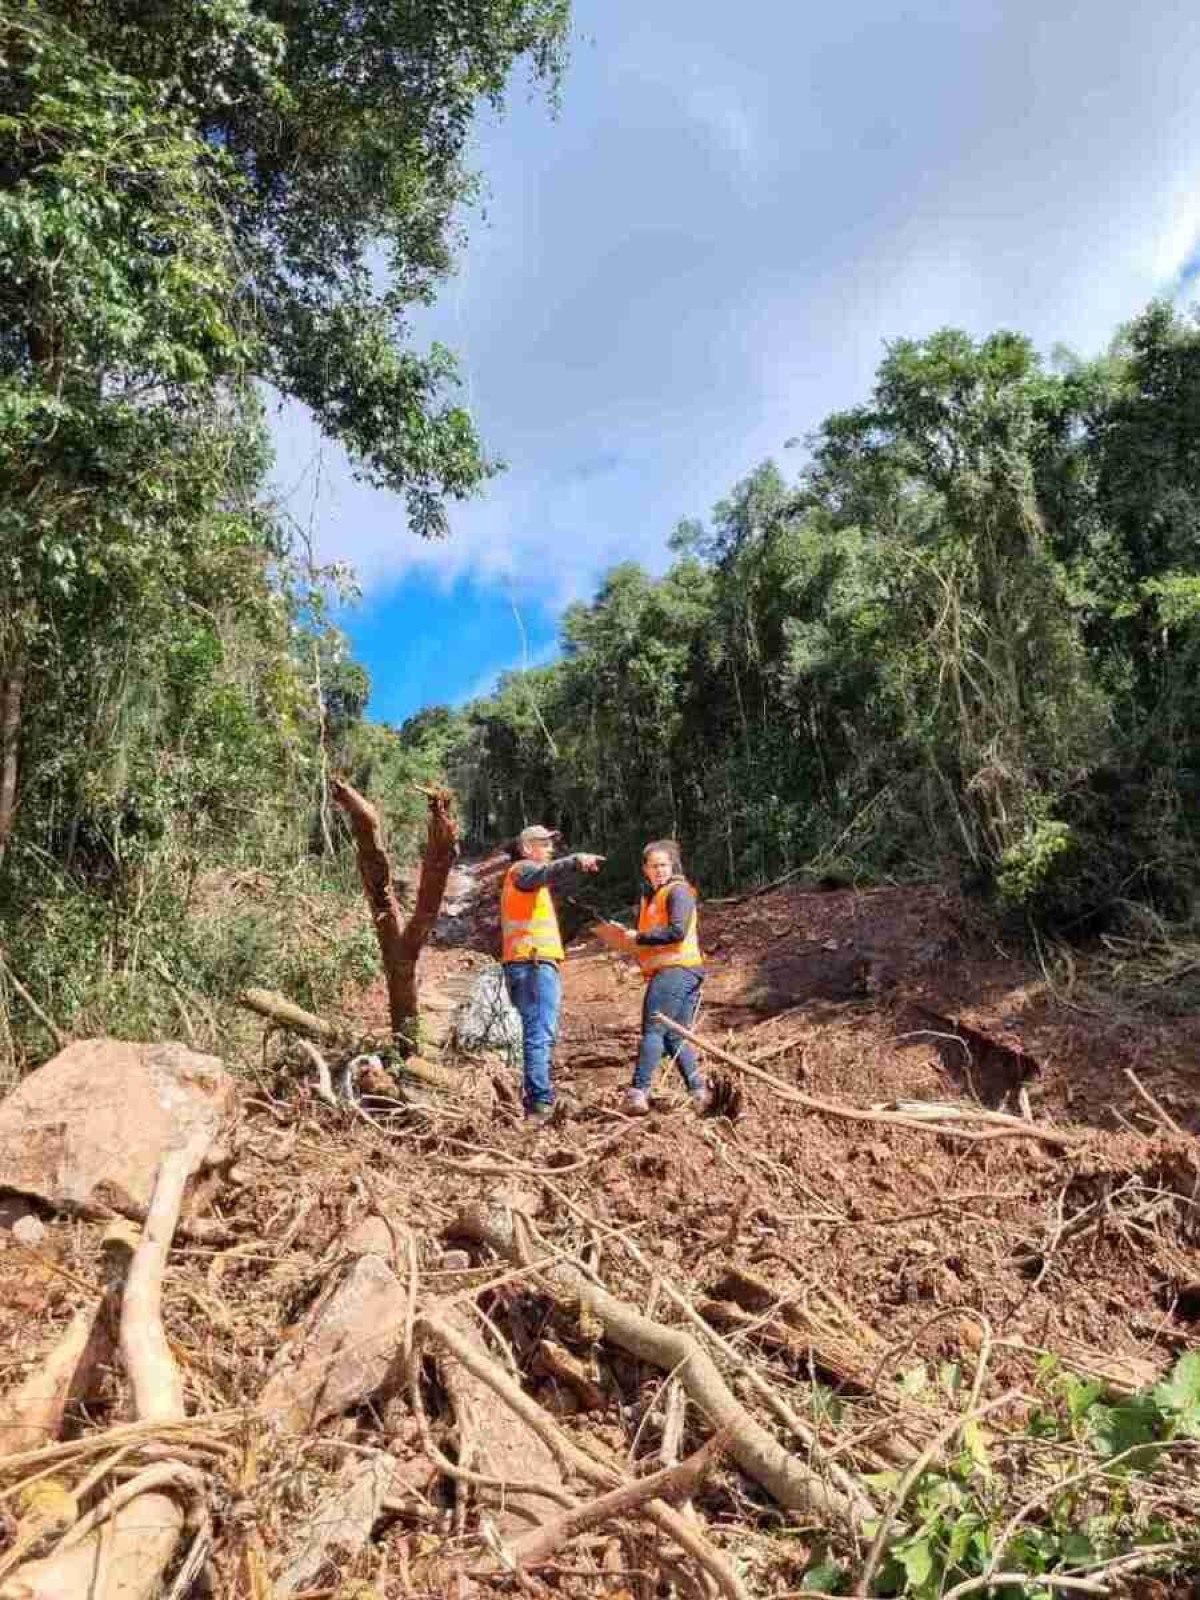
{"type": "Point", "coordinates": [343, 1351]}
{"type": "Point", "coordinates": [88, 1129]}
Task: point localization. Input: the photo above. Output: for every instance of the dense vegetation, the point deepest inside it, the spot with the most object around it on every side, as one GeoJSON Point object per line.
{"type": "Point", "coordinates": [198, 201]}
{"type": "Point", "coordinates": [963, 642]}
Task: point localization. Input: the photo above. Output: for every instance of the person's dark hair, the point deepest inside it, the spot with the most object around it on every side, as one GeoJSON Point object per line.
{"type": "Point", "coordinates": [670, 849]}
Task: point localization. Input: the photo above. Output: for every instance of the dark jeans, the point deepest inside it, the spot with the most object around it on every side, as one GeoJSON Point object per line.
{"type": "Point", "coordinates": [535, 989]}
{"type": "Point", "coordinates": [675, 991]}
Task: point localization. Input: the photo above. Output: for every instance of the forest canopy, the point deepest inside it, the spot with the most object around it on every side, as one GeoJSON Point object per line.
{"type": "Point", "coordinates": [961, 643]}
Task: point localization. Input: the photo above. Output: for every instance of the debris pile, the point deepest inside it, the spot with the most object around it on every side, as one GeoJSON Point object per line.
{"type": "Point", "coordinates": [300, 1330]}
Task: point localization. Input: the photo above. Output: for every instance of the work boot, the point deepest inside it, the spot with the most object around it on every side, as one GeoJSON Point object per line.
{"type": "Point", "coordinates": [637, 1103]}
{"type": "Point", "coordinates": [539, 1117]}
{"type": "Point", "coordinates": [702, 1099]}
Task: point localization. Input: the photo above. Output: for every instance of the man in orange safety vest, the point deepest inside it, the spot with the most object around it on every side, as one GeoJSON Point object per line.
{"type": "Point", "coordinates": [532, 949]}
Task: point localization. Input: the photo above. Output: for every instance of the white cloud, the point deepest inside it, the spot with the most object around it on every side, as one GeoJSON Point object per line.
{"type": "Point", "coordinates": [705, 254]}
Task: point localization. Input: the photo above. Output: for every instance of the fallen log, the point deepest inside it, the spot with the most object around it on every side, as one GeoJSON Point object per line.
{"type": "Point", "coordinates": [792, 1482]}
{"type": "Point", "coordinates": [998, 1125]}
{"type": "Point", "coordinates": [400, 946]}
{"type": "Point", "coordinates": [285, 1014]}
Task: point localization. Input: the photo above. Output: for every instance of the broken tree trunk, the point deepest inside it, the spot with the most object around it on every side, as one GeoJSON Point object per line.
{"type": "Point", "coordinates": [400, 946]}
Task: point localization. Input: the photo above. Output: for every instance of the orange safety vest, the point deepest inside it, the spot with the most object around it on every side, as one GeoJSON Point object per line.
{"type": "Point", "coordinates": [654, 957]}
{"type": "Point", "coordinates": [528, 922]}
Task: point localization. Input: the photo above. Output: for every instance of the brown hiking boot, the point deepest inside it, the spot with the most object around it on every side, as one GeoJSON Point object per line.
{"type": "Point", "coordinates": [636, 1103]}
{"type": "Point", "coordinates": [539, 1117]}
{"type": "Point", "coordinates": [702, 1099]}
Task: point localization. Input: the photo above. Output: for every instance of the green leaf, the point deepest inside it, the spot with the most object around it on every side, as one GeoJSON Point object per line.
{"type": "Point", "coordinates": [917, 1559]}
{"type": "Point", "coordinates": [1076, 1548]}
{"type": "Point", "coordinates": [827, 1577]}
{"type": "Point", "coordinates": [1181, 1391]}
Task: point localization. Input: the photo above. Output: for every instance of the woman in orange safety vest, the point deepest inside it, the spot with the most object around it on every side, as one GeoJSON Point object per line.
{"type": "Point", "coordinates": [667, 947]}
{"type": "Point", "coordinates": [531, 950]}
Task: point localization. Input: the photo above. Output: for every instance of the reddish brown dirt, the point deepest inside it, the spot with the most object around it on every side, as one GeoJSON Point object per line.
{"type": "Point", "coordinates": [866, 998]}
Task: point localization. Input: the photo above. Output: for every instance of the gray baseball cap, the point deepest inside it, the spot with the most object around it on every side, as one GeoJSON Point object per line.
{"type": "Point", "coordinates": [535, 834]}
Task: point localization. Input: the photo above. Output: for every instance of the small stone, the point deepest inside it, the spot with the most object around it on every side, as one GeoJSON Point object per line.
{"type": "Point", "coordinates": [29, 1231]}
{"type": "Point", "coordinates": [455, 1261]}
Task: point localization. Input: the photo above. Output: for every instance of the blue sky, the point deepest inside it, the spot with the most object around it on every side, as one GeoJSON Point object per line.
{"type": "Point", "coordinates": [703, 255]}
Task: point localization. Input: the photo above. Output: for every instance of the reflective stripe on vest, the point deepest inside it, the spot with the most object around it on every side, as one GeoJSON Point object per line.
{"type": "Point", "coordinates": [654, 957]}
{"type": "Point", "coordinates": [528, 922]}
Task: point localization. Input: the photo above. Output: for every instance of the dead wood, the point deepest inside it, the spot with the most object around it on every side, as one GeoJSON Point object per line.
{"type": "Point", "coordinates": [400, 946]}
{"type": "Point", "coordinates": [432, 1324]}
{"type": "Point", "coordinates": [551, 1360]}
{"type": "Point", "coordinates": [491, 1443]}
{"type": "Point", "coordinates": [113, 1563]}
{"type": "Point", "coordinates": [153, 1375]}
{"type": "Point", "coordinates": [678, 1482]}
{"type": "Point", "coordinates": [742, 1299]}
{"type": "Point", "coordinates": [277, 1008]}
{"type": "Point", "coordinates": [32, 1415]}
{"type": "Point", "coordinates": [280, 1010]}
{"type": "Point", "coordinates": [343, 1524]}
{"type": "Point", "coordinates": [125, 1556]}
{"type": "Point", "coordinates": [998, 1126]}
{"type": "Point", "coordinates": [789, 1480]}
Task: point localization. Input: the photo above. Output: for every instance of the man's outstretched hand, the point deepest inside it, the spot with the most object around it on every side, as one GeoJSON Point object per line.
{"type": "Point", "coordinates": [587, 863]}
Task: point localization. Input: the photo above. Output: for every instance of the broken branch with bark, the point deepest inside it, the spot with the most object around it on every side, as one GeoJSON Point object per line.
{"type": "Point", "coordinates": [678, 1482]}
{"type": "Point", "coordinates": [999, 1125]}
{"type": "Point", "coordinates": [789, 1480]}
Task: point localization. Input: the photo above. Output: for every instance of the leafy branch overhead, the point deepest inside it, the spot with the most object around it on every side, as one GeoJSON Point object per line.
{"type": "Point", "coordinates": [220, 190]}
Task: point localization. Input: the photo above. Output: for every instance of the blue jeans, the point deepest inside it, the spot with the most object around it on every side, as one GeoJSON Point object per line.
{"type": "Point", "coordinates": [535, 989]}
{"type": "Point", "coordinates": [675, 991]}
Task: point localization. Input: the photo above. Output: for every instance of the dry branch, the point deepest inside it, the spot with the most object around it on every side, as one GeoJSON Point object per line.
{"type": "Point", "coordinates": [125, 1557]}
{"type": "Point", "coordinates": [784, 1476]}
{"type": "Point", "coordinates": [400, 946]}
{"type": "Point", "coordinates": [432, 1324]}
{"type": "Point", "coordinates": [999, 1126]}
{"type": "Point", "coordinates": [678, 1482]}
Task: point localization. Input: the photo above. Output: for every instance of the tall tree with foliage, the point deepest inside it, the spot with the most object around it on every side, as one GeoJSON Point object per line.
{"type": "Point", "coordinates": [194, 197]}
